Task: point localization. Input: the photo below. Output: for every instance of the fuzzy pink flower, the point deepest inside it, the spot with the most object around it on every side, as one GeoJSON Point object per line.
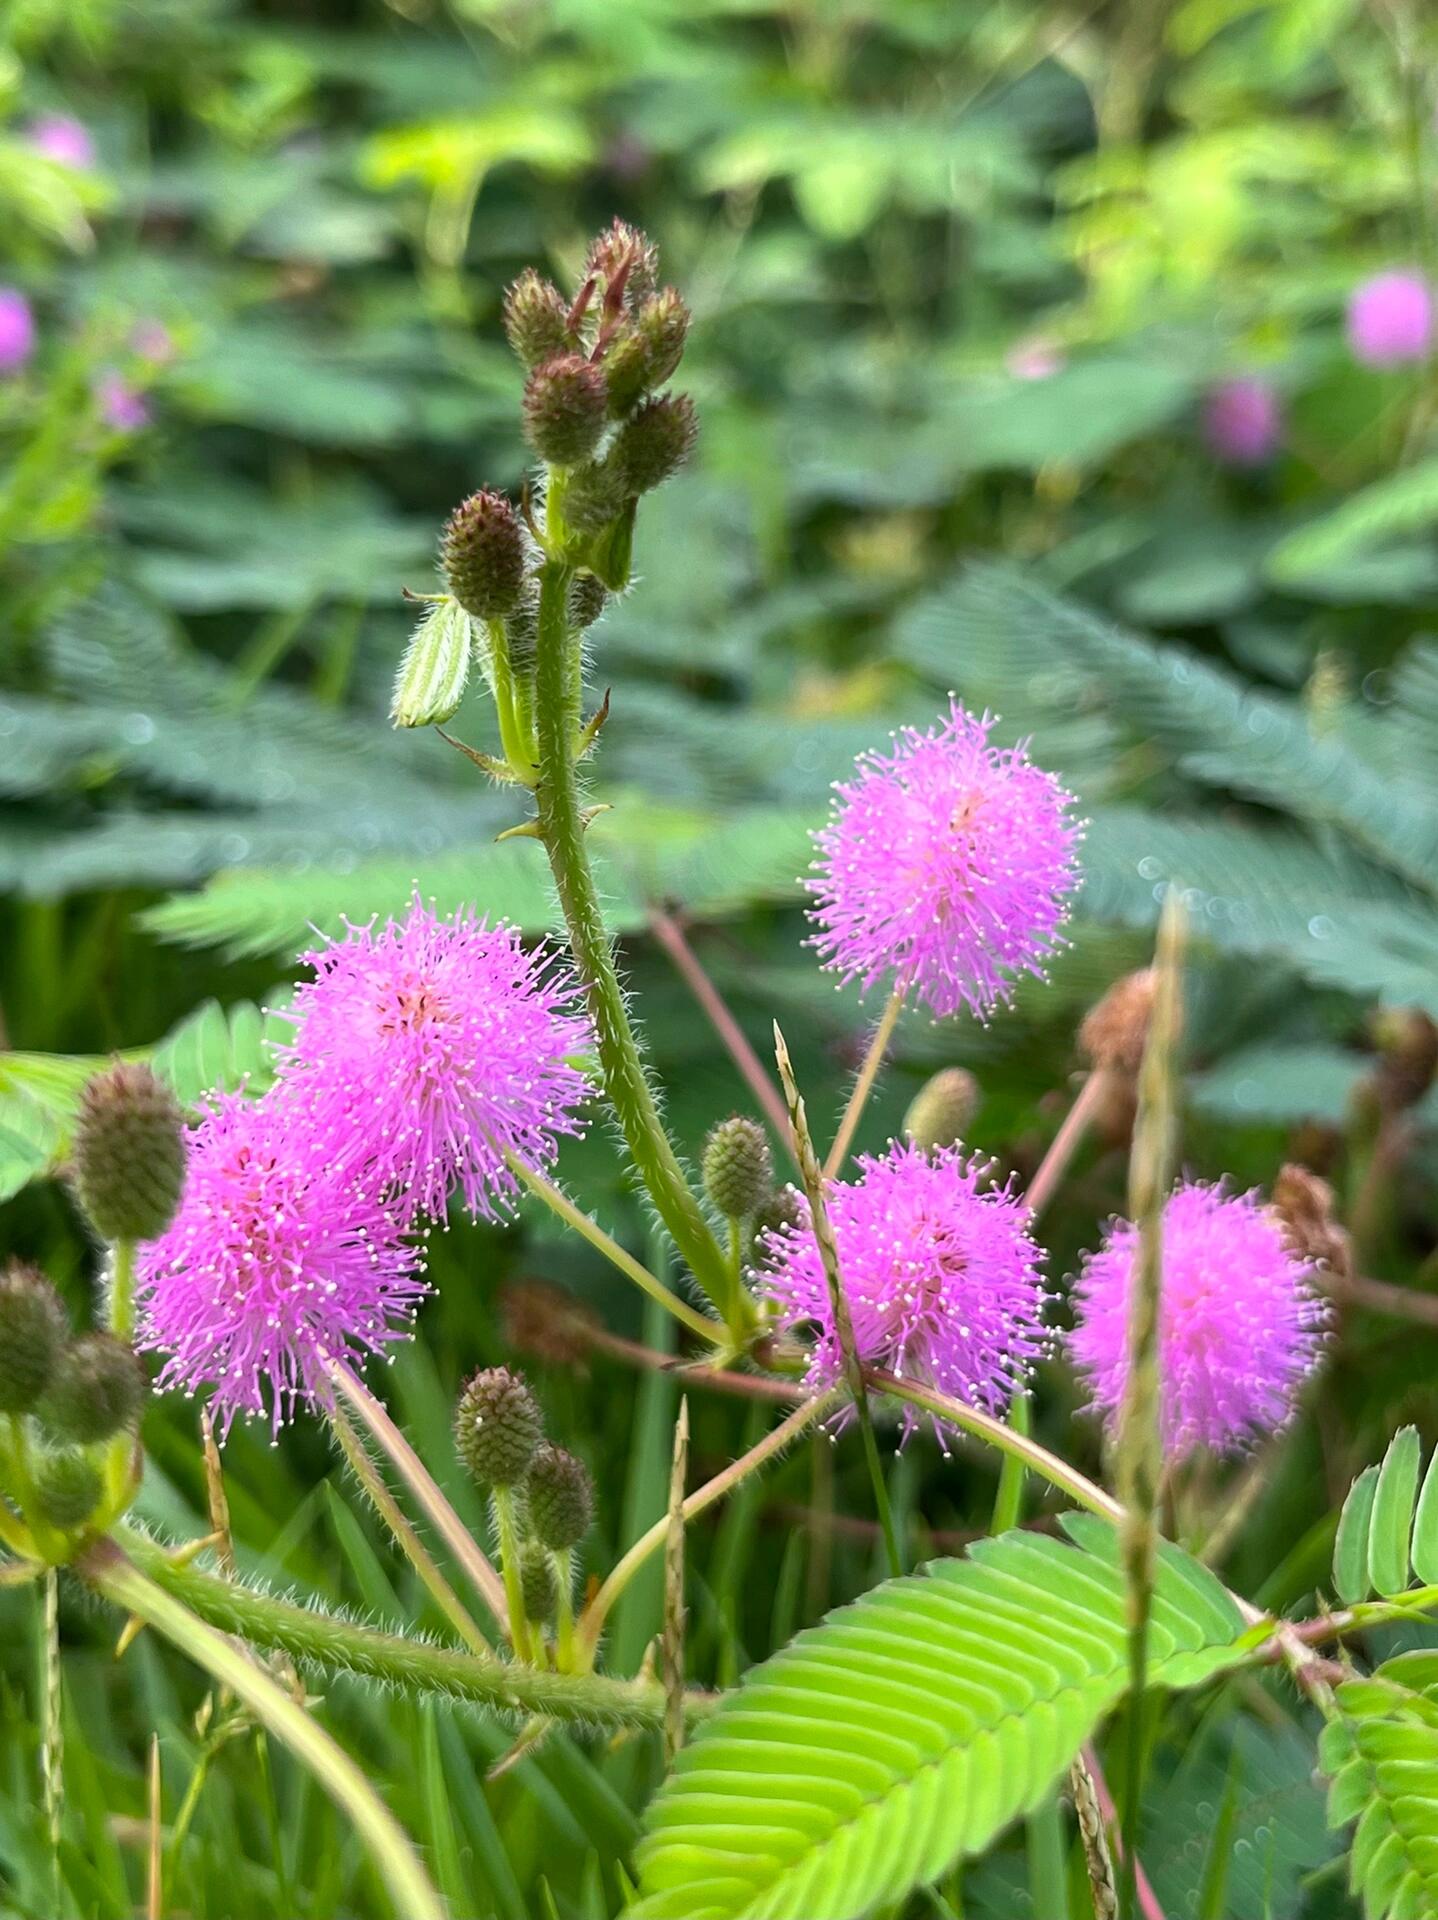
{"type": "Point", "coordinates": [946, 867]}
{"type": "Point", "coordinates": [1390, 319]}
{"type": "Point", "coordinates": [1242, 422]}
{"type": "Point", "coordinates": [276, 1261]}
{"type": "Point", "coordinates": [17, 330]}
{"type": "Point", "coordinates": [63, 138]}
{"type": "Point", "coordinates": [939, 1272]}
{"type": "Point", "coordinates": [427, 1050]}
{"type": "Point", "coordinates": [120, 405]}
{"type": "Point", "coordinates": [1240, 1325]}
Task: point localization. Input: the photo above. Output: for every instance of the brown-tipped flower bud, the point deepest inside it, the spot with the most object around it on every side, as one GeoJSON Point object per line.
{"type": "Point", "coordinates": [483, 555]}
{"type": "Point", "coordinates": [587, 597]}
{"type": "Point", "coordinates": [561, 1498]}
{"type": "Point", "coordinates": [546, 1321]}
{"type": "Point", "coordinates": [68, 1488]}
{"type": "Point", "coordinates": [129, 1153]}
{"type": "Point", "coordinates": [594, 496]}
{"type": "Point", "coordinates": [655, 442]}
{"type": "Point", "coordinates": [565, 400]}
{"type": "Point", "coordinates": [738, 1172]}
{"type": "Point", "coordinates": [537, 1586]}
{"type": "Point", "coordinates": [435, 669]}
{"type": "Point", "coordinates": [1407, 1042]}
{"type": "Point", "coordinates": [624, 263]}
{"type": "Point", "coordinates": [33, 1331]}
{"type": "Point", "coordinates": [1304, 1206]}
{"type": "Point", "coordinates": [643, 356]}
{"type": "Point", "coordinates": [940, 1112]}
{"type": "Point", "coordinates": [97, 1391]}
{"type": "Point", "coordinates": [536, 319]}
{"type": "Point", "coordinates": [497, 1427]}
{"type": "Point", "coordinates": [782, 1209]}
{"type": "Point", "coordinates": [1115, 1029]}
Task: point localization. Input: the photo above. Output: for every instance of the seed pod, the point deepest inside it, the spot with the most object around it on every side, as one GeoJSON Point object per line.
{"type": "Point", "coordinates": [68, 1488]}
{"type": "Point", "coordinates": [497, 1427]}
{"type": "Point", "coordinates": [536, 320]}
{"type": "Point", "coordinates": [1115, 1029]}
{"type": "Point", "coordinates": [33, 1331]}
{"type": "Point", "coordinates": [940, 1112]}
{"type": "Point", "coordinates": [561, 1498]}
{"type": "Point", "coordinates": [96, 1392]}
{"type": "Point", "coordinates": [129, 1153]}
{"type": "Point", "coordinates": [432, 675]}
{"type": "Point", "coordinates": [483, 556]}
{"type": "Point", "coordinates": [564, 407]}
{"type": "Point", "coordinates": [587, 598]}
{"type": "Point", "coordinates": [537, 1584]}
{"type": "Point", "coordinates": [738, 1172]}
{"type": "Point", "coordinates": [655, 441]}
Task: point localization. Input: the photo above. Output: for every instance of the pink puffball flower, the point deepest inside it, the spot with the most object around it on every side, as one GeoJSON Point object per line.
{"type": "Point", "coordinates": [1035, 359]}
{"type": "Point", "coordinates": [121, 407]}
{"type": "Point", "coordinates": [17, 330]}
{"type": "Point", "coordinates": [277, 1261]}
{"type": "Point", "coordinates": [1390, 319]}
{"type": "Point", "coordinates": [946, 867]}
{"type": "Point", "coordinates": [939, 1272]}
{"type": "Point", "coordinates": [1240, 1324]}
{"type": "Point", "coordinates": [63, 138]}
{"type": "Point", "coordinates": [429, 1050]}
{"type": "Point", "coordinates": [1242, 422]}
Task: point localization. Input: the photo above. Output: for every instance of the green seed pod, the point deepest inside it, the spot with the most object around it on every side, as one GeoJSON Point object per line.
{"type": "Point", "coordinates": [780, 1210]}
{"type": "Point", "coordinates": [129, 1153]}
{"type": "Point", "coordinates": [33, 1332]}
{"type": "Point", "coordinates": [940, 1112]}
{"type": "Point", "coordinates": [497, 1427]}
{"type": "Point", "coordinates": [537, 1585]}
{"type": "Point", "coordinates": [482, 552]}
{"type": "Point", "coordinates": [587, 598]}
{"type": "Point", "coordinates": [738, 1172]}
{"type": "Point", "coordinates": [655, 442]}
{"type": "Point", "coordinates": [68, 1488]}
{"type": "Point", "coordinates": [536, 320]}
{"type": "Point", "coordinates": [97, 1391]}
{"type": "Point", "coordinates": [564, 408]}
{"type": "Point", "coordinates": [561, 1498]}
{"type": "Point", "coordinates": [432, 675]}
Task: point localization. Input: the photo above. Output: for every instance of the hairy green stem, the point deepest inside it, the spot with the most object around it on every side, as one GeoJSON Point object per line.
{"type": "Point", "coordinates": [122, 1289]}
{"type": "Point", "coordinates": [508, 1531]}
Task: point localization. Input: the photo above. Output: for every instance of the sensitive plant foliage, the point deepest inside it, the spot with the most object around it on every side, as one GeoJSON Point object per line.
{"type": "Point", "coordinates": [939, 1271]}
{"type": "Point", "coordinates": [947, 868]}
{"type": "Point", "coordinates": [1241, 1326]}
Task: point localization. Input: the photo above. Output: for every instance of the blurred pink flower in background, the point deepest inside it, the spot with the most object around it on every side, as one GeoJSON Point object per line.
{"type": "Point", "coordinates": [17, 330]}
{"type": "Point", "coordinates": [121, 407]}
{"type": "Point", "coordinates": [1390, 319]}
{"type": "Point", "coordinates": [61, 137]}
{"type": "Point", "coordinates": [154, 342]}
{"type": "Point", "coordinates": [1242, 421]}
{"type": "Point", "coordinates": [1035, 359]}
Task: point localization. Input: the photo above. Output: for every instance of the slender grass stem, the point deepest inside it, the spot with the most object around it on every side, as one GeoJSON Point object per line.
{"type": "Point", "coordinates": [864, 1085]}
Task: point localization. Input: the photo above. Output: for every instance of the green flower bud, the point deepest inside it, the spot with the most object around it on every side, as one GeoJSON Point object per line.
{"type": "Point", "coordinates": [645, 355]}
{"type": "Point", "coordinates": [482, 552]}
{"type": "Point", "coordinates": [561, 1498]}
{"type": "Point", "coordinates": [655, 442]}
{"type": "Point", "coordinates": [537, 1584]}
{"type": "Point", "coordinates": [624, 263]}
{"type": "Point", "coordinates": [536, 319]}
{"type": "Point", "coordinates": [587, 598]}
{"type": "Point", "coordinates": [33, 1331]}
{"type": "Point", "coordinates": [497, 1427]}
{"type": "Point", "coordinates": [940, 1112]}
{"type": "Point", "coordinates": [129, 1153]}
{"type": "Point", "coordinates": [738, 1172]}
{"type": "Point", "coordinates": [68, 1488]}
{"type": "Point", "coordinates": [564, 408]}
{"type": "Point", "coordinates": [780, 1210]}
{"type": "Point", "coordinates": [593, 496]}
{"type": "Point", "coordinates": [96, 1392]}
{"type": "Point", "coordinates": [432, 675]}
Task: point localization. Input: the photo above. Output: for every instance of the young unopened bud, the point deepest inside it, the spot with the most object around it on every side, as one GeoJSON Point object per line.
{"type": "Point", "coordinates": [68, 1488]}
{"type": "Point", "coordinates": [497, 1427]}
{"type": "Point", "coordinates": [782, 1209]}
{"type": "Point", "coordinates": [587, 597]}
{"type": "Point", "coordinates": [482, 553]}
{"type": "Point", "coordinates": [1407, 1042]}
{"type": "Point", "coordinates": [432, 675]}
{"type": "Point", "coordinates": [564, 406]}
{"type": "Point", "coordinates": [738, 1172]}
{"type": "Point", "coordinates": [624, 263]}
{"type": "Point", "coordinates": [1115, 1029]}
{"type": "Point", "coordinates": [655, 442]}
{"type": "Point", "coordinates": [644, 356]}
{"type": "Point", "coordinates": [537, 1586]}
{"type": "Point", "coordinates": [536, 319]}
{"type": "Point", "coordinates": [1304, 1206]}
{"type": "Point", "coordinates": [129, 1153]}
{"type": "Point", "coordinates": [561, 1498]}
{"type": "Point", "coordinates": [97, 1391]}
{"type": "Point", "coordinates": [594, 496]}
{"type": "Point", "coordinates": [33, 1330]}
{"type": "Point", "coordinates": [940, 1112]}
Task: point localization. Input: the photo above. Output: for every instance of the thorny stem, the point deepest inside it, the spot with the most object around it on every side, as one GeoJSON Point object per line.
{"type": "Point", "coordinates": [1066, 1141]}
{"type": "Point", "coordinates": [864, 1084]}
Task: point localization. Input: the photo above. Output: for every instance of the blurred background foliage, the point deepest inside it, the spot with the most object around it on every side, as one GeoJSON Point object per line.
{"type": "Point", "coordinates": [968, 276]}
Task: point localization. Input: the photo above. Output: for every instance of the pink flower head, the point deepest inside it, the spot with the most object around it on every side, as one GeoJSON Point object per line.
{"type": "Point", "coordinates": [430, 1049]}
{"type": "Point", "coordinates": [1242, 422]}
{"type": "Point", "coordinates": [1390, 319]}
{"type": "Point", "coordinates": [940, 1275]}
{"type": "Point", "coordinates": [17, 330]}
{"type": "Point", "coordinates": [153, 341]}
{"type": "Point", "coordinates": [121, 407]}
{"type": "Point", "coordinates": [1240, 1326]}
{"type": "Point", "coordinates": [945, 868]}
{"type": "Point", "coordinates": [1035, 359]}
{"type": "Point", "coordinates": [61, 137]}
{"type": "Point", "coordinates": [277, 1261]}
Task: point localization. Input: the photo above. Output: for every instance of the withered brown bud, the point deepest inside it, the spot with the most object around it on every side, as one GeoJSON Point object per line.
{"type": "Point", "coordinates": [1115, 1029]}
{"type": "Point", "coordinates": [1407, 1042]}
{"type": "Point", "coordinates": [1304, 1206]}
{"type": "Point", "coordinates": [545, 1321]}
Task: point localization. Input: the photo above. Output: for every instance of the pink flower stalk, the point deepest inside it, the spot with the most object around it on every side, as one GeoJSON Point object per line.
{"type": "Point", "coordinates": [121, 407]}
{"type": "Point", "coordinates": [1390, 319]}
{"type": "Point", "coordinates": [17, 330]}
{"type": "Point", "coordinates": [1240, 1325]}
{"type": "Point", "coordinates": [939, 1272]}
{"type": "Point", "coordinates": [277, 1261]}
{"type": "Point", "coordinates": [428, 1050]}
{"type": "Point", "coordinates": [1242, 422]}
{"type": "Point", "coordinates": [61, 137]}
{"type": "Point", "coordinates": [946, 867]}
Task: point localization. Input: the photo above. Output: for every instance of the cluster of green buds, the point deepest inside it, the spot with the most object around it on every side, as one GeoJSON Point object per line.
{"type": "Point", "coordinates": [595, 415]}
{"type": "Point", "coordinates": [543, 1501]}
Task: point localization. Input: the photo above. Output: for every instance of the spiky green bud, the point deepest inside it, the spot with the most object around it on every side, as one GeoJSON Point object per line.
{"type": "Point", "coordinates": [482, 552]}
{"type": "Point", "coordinates": [644, 355]}
{"type": "Point", "coordinates": [561, 1498]}
{"type": "Point", "coordinates": [940, 1112]}
{"type": "Point", "coordinates": [497, 1427]}
{"type": "Point", "coordinates": [432, 675]}
{"type": "Point", "coordinates": [68, 1488]}
{"type": "Point", "coordinates": [96, 1392]}
{"type": "Point", "coordinates": [780, 1210]}
{"type": "Point", "coordinates": [655, 441]}
{"type": "Point", "coordinates": [738, 1172]}
{"type": "Point", "coordinates": [33, 1331]}
{"type": "Point", "coordinates": [564, 406]}
{"type": "Point", "coordinates": [536, 319]}
{"type": "Point", "coordinates": [129, 1153]}
{"type": "Point", "coordinates": [537, 1585]}
{"type": "Point", "coordinates": [587, 598]}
